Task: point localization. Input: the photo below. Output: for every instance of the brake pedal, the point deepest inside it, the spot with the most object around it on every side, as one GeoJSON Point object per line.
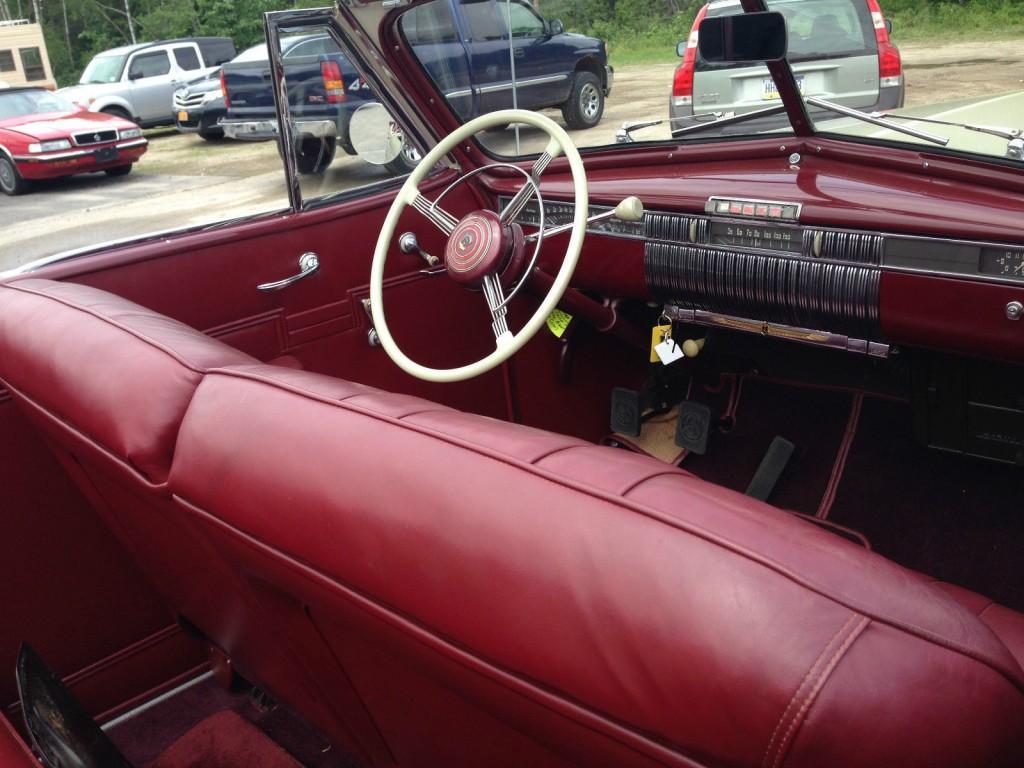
{"type": "Point", "coordinates": [771, 468]}
{"type": "Point", "coordinates": [692, 426]}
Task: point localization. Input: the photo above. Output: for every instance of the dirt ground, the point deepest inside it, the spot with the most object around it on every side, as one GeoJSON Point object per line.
{"type": "Point", "coordinates": [184, 181]}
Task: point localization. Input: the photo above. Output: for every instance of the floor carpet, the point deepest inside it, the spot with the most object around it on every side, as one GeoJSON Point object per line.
{"type": "Point", "coordinates": [224, 740]}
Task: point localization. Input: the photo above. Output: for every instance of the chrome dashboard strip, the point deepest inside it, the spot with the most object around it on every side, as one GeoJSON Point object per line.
{"type": "Point", "coordinates": [777, 331]}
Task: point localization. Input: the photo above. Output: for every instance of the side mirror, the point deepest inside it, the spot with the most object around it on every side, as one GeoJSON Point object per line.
{"type": "Point", "coordinates": [681, 48]}
{"type": "Point", "coordinates": [743, 38]}
{"type": "Point", "coordinates": [374, 135]}
{"type": "Point", "coordinates": [888, 26]}
{"type": "Point", "coordinates": [556, 27]}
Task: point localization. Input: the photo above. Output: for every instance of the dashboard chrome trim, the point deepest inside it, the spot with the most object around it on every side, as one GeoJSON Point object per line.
{"type": "Point", "coordinates": [777, 331]}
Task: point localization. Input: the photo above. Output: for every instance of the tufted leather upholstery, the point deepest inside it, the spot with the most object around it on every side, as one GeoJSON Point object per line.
{"type": "Point", "coordinates": [677, 620]}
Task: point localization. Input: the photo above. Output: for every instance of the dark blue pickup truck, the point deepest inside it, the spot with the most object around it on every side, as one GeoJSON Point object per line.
{"type": "Point", "coordinates": [464, 45]}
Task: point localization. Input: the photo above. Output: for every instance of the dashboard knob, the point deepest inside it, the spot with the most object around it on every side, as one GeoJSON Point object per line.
{"type": "Point", "coordinates": [1014, 310]}
{"type": "Point", "coordinates": [630, 209]}
{"type": "Point", "coordinates": [693, 347]}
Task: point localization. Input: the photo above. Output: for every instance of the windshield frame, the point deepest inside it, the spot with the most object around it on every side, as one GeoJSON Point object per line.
{"type": "Point", "coordinates": [381, 44]}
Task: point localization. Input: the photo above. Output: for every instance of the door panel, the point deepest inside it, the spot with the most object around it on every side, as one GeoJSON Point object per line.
{"type": "Point", "coordinates": [208, 280]}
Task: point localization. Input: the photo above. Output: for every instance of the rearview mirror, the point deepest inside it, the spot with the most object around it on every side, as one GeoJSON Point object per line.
{"type": "Point", "coordinates": [556, 27]}
{"type": "Point", "coordinates": [681, 48]}
{"type": "Point", "coordinates": [743, 38]}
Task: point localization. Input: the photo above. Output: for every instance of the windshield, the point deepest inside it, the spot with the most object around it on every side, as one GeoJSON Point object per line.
{"type": "Point", "coordinates": [34, 102]}
{"type": "Point", "coordinates": [632, 72]}
{"type": "Point", "coordinates": [104, 69]}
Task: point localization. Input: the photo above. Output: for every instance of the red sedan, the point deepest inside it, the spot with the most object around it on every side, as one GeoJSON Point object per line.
{"type": "Point", "coordinates": [43, 136]}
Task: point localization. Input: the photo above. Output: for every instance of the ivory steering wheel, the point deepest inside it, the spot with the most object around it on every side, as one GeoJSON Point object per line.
{"type": "Point", "coordinates": [483, 247]}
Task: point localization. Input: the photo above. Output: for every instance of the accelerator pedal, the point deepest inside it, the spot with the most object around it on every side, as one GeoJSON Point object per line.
{"type": "Point", "coordinates": [771, 468]}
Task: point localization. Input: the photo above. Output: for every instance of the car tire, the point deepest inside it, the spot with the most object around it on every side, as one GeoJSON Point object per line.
{"type": "Point", "coordinates": [313, 155]}
{"type": "Point", "coordinates": [119, 170]}
{"type": "Point", "coordinates": [214, 134]}
{"type": "Point", "coordinates": [11, 182]}
{"type": "Point", "coordinates": [406, 161]}
{"type": "Point", "coordinates": [585, 104]}
{"type": "Point", "coordinates": [116, 112]}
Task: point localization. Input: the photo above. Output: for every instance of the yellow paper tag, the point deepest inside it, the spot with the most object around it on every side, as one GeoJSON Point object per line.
{"type": "Point", "coordinates": [558, 321]}
{"type": "Point", "coordinates": [658, 334]}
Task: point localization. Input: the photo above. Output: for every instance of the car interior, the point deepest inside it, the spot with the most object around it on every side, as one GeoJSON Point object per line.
{"type": "Point", "coordinates": [725, 469]}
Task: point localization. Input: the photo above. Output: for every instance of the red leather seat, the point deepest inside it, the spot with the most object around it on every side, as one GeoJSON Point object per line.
{"type": "Point", "coordinates": [503, 596]}
{"type": "Point", "coordinates": [108, 382]}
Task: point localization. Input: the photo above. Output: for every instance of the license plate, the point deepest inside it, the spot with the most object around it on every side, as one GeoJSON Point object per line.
{"type": "Point", "coordinates": [183, 117]}
{"type": "Point", "coordinates": [769, 91]}
{"type": "Point", "coordinates": [106, 154]}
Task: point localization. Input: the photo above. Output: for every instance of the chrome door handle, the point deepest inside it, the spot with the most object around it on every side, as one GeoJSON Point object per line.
{"type": "Point", "coordinates": [308, 264]}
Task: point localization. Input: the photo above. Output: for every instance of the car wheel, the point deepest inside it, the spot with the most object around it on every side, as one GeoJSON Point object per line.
{"type": "Point", "coordinates": [214, 134]}
{"type": "Point", "coordinates": [116, 112]}
{"type": "Point", "coordinates": [120, 170]}
{"type": "Point", "coordinates": [406, 161]}
{"type": "Point", "coordinates": [11, 182]}
{"type": "Point", "coordinates": [313, 155]}
{"type": "Point", "coordinates": [585, 105]}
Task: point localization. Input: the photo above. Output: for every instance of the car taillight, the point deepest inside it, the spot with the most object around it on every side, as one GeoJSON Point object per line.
{"type": "Point", "coordinates": [682, 82]}
{"type": "Point", "coordinates": [890, 68]}
{"type": "Point", "coordinates": [224, 91]}
{"type": "Point", "coordinates": [333, 84]}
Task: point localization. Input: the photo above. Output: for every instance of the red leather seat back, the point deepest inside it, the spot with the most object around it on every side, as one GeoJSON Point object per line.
{"type": "Point", "coordinates": [503, 596]}
{"type": "Point", "coordinates": [108, 382]}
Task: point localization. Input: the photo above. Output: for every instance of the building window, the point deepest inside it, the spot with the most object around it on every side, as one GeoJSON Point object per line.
{"type": "Point", "coordinates": [32, 64]}
{"type": "Point", "coordinates": [7, 61]}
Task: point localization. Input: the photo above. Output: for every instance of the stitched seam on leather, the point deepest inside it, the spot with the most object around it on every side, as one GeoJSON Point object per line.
{"type": "Point", "coordinates": [496, 672]}
{"type": "Point", "coordinates": [560, 449]}
{"type": "Point", "coordinates": [1014, 677]}
{"type": "Point", "coordinates": [124, 465]}
{"type": "Point", "coordinates": [120, 326]}
{"type": "Point", "coordinates": [812, 695]}
{"type": "Point", "coordinates": [654, 474]}
{"type": "Point", "coordinates": [796, 694]}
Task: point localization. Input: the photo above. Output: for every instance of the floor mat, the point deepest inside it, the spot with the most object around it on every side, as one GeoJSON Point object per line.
{"type": "Point", "coordinates": [224, 740]}
{"type": "Point", "coordinates": [953, 517]}
{"type": "Point", "coordinates": [814, 420]}
{"type": "Point", "coordinates": [152, 731]}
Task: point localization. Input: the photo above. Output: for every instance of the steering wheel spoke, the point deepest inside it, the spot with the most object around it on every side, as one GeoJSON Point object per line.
{"type": "Point", "coordinates": [495, 296]}
{"type": "Point", "coordinates": [438, 216]}
{"type": "Point", "coordinates": [522, 197]}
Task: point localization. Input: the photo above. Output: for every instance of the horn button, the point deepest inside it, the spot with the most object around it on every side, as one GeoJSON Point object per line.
{"type": "Point", "coordinates": [478, 246]}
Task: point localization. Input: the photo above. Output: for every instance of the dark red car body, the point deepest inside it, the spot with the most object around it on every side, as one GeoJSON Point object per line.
{"type": "Point", "coordinates": [93, 147]}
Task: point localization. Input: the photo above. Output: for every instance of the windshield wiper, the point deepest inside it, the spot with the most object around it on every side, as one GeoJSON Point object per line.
{"type": "Point", "coordinates": [623, 135]}
{"type": "Point", "coordinates": [1014, 136]}
{"type": "Point", "coordinates": [874, 119]}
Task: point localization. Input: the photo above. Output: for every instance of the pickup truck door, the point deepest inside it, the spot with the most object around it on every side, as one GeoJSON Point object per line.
{"type": "Point", "coordinates": [431, 31]}
{"type": "Point", "coordinates": [483, 33]}
{"type": "Point", "coordinates": [152, 80]}
{"type": "Point", "coordinates": [543, 63]}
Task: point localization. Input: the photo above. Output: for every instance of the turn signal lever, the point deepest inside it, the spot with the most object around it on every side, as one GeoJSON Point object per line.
{"type": "Point", "coordinates": [630, 209]}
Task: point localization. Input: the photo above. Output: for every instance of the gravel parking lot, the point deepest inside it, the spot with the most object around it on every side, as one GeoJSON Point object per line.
{"type": "Point", "coordinates": [185, 181]}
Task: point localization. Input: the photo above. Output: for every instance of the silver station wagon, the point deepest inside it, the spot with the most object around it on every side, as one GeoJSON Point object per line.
{"type": "Point", "coordinates": [839, 50]}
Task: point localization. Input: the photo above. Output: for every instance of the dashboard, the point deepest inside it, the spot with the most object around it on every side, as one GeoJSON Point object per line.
{"type": "Point", "coordinates": [754, 265]}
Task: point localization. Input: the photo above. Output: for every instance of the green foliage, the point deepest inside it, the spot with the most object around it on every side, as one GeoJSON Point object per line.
{"type": "Point", "coordinates": [636, 31]}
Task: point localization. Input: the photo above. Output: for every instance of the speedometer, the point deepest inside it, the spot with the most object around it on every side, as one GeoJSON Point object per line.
{"type": "Point", "coordinates": [1005, 262]}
